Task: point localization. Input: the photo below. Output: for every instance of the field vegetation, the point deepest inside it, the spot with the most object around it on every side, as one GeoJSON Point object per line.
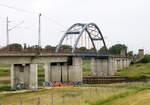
{"type": "Point", "coordinates": [80, 95]}
{"type": "Point", "coordinates": [138, 70]}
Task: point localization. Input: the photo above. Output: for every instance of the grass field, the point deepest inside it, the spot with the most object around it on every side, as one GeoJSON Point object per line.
{"type": "Point", "coordinates": [107, 94]}
{"type": "Point", "coordinates": [136, 71]}
{"type": "Point", "coordinates": [95, 94]}
{"type": "Point", "coordinates": [140, 98]}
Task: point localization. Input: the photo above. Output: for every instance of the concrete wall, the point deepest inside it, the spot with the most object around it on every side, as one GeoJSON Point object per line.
{"type": "Point", "coordinates": [64, 72]}
{"type": "Point", "coordinates": [99, 67]}
{"type": "Point", "coordinates": [24, 73]}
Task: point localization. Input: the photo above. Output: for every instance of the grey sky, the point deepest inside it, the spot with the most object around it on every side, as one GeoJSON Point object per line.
{"type": "Point", "coordinates": [121, 21]}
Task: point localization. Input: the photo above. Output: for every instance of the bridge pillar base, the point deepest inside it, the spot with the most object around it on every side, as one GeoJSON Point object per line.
{"type": "Point", "coordinates": [64, 71]}
{"type": "Point", "coordinates": [99, 67]}
{"type": "Point", "coordinates": [24, 76]}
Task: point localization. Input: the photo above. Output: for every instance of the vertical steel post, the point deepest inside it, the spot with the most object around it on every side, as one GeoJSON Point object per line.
{"type": "Point", "coordinates": [7, 32]}
{"type": "Point", "coordinates": [39, 33]}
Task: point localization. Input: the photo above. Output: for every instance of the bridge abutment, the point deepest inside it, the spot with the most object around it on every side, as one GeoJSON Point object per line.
{"type": "Point", "coordinates": [24, 76]}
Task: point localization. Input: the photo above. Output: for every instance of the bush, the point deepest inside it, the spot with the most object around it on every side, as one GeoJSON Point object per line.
{"type": "Point", "coordinates": [146, 59]}
{"type": "Point", "coordinates": [15, 46]}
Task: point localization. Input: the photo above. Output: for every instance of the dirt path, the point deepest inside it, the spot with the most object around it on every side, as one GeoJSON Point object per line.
{"type": "Point", "coordinates": [4, 78]}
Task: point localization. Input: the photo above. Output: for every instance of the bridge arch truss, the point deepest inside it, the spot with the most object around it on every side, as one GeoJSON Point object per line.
{"type": "Point", "coordinates": [75, 34]}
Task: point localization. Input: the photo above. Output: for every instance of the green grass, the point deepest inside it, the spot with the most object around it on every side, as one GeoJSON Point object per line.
{"type": "Point", "coordinates": [5, 82]}
{"type": "Point", "coordinates": [4, 70]}
{"type": "Point", "coordinates": [5, 88]}
{"type": "Point", "coordinates": [133, 89]}
{"type": "Point", "coordinates": [86, 67]}
{"type": "Point", "coordinates": [113, 97]}
{"type": "Point", "coordinates": [135, 71]}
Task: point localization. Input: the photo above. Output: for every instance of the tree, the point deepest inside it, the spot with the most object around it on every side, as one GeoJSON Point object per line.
{"type": "Point", "coordinates": [103, 50]}
{"type": "Point", "coordinates": [14, 46]}
{"type": "Point", "coordinates": [83, 49]}
{"type": "Point", "coordinates": [130, 53]}
{"type": "Point", "coordinates": [117, 48]}
{"type": "Point", "coordinates": [66, 47]}
{"type": "Point", "coordinates": [49, 47]}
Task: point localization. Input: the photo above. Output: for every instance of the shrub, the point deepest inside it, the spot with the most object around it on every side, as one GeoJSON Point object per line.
{"type": "Point", "coordinates": [146, 59]}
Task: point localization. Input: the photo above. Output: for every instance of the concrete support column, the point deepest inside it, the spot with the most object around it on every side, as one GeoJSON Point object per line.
{"type": "Point", "coordinates": [121, 64]}
{"type": "Point", "coordinates": [99, 67]}
{"type": "Point", "coordinates": [65, 72]}
{"type": "Point", "coordinates": [75, 70]}
{"type": "Point", "coordinates": [115, 65]}
{"type": "Point", "coordinates": [55, 71]}
{"type": "Point", "coordinates": [33, 80]}
{"type": "Point", "coordinates": [47, 72]}
{"type": "Point", "coordinates": [126, 65]}
{"type": "Point", "coordinates": [24, 74]}
{"type": "Point", "coordinates": [110, 67]}
{"type": "Point", "coordinates": [12, 76]}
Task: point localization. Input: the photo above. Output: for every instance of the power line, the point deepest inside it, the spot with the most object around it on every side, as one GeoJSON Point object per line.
{"type": "Point", "coordinates": [18, 9]}
{"type": "Point", "coordinates": [16, 26]}
{"type": "Point", "coordinates": [54, 21]}
{"type": "Point", "coordinates": [31, 12]}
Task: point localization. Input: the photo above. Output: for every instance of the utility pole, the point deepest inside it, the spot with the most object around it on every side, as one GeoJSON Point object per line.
{"type": "Point", "coordinates": [9, 29]}
{"type": "Point", "coordinates": [39, 34]}
{"type": "Point", "coordinates": [7, 32]}
{"type": "Point", "coordinates": [39, 39]}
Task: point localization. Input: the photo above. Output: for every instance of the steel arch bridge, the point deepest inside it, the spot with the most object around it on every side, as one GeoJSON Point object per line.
{"type": "Point", "coordinates": [83, 35]}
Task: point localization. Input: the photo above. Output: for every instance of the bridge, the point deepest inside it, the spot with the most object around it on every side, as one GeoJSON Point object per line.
{"type": "Point", "coordinates": [82, 41]}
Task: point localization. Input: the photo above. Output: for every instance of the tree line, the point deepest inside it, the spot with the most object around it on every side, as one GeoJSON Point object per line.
{"type": "Point", "coordinates": [115, 49]}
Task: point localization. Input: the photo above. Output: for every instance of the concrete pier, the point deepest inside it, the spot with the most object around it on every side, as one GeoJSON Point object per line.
{"type": "Point", "coordinates": [99, 67]}
{"type": "Point", "coordinates": [109, 66]}
{"type": "Point", "coordinates": [70, 71]}
{"type": "Point", "coordinates": [25, 74]}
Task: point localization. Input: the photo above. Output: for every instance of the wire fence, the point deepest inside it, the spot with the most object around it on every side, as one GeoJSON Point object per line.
{"type": "Point", "coordinates": [77, 96]}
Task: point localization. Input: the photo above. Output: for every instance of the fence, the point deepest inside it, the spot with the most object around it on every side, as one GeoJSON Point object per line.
{"type": "Point", "coordinates": [75, 96]}
{"type": "Point", "coordinates": [69, 95]}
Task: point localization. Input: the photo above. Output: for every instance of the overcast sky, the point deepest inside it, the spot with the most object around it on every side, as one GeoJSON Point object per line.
{"type": "Point", "coordinates": [121, 21]}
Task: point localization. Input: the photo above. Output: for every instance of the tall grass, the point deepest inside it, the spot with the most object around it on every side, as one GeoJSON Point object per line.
{"type": "Point", "coordinates": [133, 89]}
{"type": "Point", "coordinates": [135, 71]}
